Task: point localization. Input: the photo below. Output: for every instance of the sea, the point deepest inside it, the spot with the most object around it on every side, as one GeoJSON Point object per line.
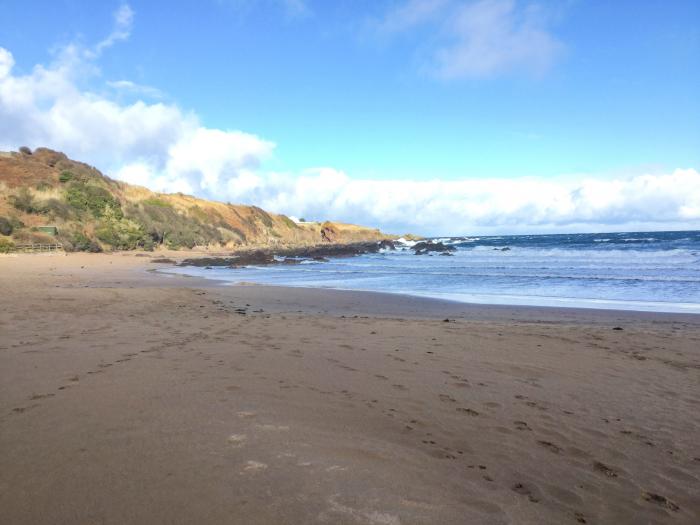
{"type": "Point", "coordinates": [643, 271]}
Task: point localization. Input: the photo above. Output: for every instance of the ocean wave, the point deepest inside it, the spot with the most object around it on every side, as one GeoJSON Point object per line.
{"type": "Point", "coordinates": [457, 275]}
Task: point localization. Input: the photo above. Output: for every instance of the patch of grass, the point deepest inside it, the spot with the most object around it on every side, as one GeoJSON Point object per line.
{"type": "Point", "coordinates": [264, 216]}
{"type": "Point", "coordinates": [24, 201]}
{"type": "Point", "coordinates": [56, 208]}
{"type": "Point", "coordinates": [6, 245]}
{"type": "Point", "coordinates": [156, 202]}
{"type": "Point", "coordinates": [289, 222]}
{"type": "Point", "coordinates": [65, 176]}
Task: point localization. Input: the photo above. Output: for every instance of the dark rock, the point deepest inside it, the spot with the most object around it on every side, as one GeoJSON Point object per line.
{"type": "Point", "coordinates": [386, 245]}
{"type": "Point", "coordinates": [447, 254]}
{"type": "Point", "coordinates": [256, 257]}
{"type": "Point", "coordinates": [425, 247]}
{"type": "Point", "coordinates": [319, 253]}
{"type": "Point", "coordinates": [163, 260]}
{"type": "Point", "coordinates": [208, 261]}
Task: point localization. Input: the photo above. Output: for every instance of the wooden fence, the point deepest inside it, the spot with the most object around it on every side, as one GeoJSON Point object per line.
{"type": "Point", "coordinates": [37, 248]}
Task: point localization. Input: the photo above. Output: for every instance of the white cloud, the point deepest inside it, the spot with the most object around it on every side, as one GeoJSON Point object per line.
{"type": "Point", "coordinates": [479, 38]}
{"type": "Point", "coordinates": [165, 148]}
{"type": "Point", "coordinates": [123, 20]}
{"type": "Point", "coordinates": [153, 144]}
{"type": "Point", "coordinates": [484, 205]}
{"type": "Point", "coordinates": [136, 89]}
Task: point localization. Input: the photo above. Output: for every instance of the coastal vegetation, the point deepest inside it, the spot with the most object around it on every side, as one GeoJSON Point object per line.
{"type": "Point", "coordinates": [91, 212]}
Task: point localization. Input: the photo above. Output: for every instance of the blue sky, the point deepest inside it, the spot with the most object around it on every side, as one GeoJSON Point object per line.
{"type": "Point", "coordinates": [388, 92]}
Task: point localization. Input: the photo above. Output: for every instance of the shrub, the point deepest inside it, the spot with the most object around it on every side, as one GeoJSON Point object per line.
{"type": "Point", "coordinates": [43, 185]}
{"type": "Point", "coordinates": [32, 236]}
{"type": "Point", "coordinates": [82, 243]}
{"type": "Point", "coordinates": [25, 150]}
{"type": "Point", "coordinates": [166, 225]}
{"type": "Point", "coordinates": [55, 208]}
{"type": "Point", "coordinates": [121, 233]}
{"type": "Point", "coordinates": [24, 201]}
{"type": "Point", "coordinates": [65, 176]}
{"type": "Point", "coordinates": [6, 245]}
{"type": "Point", "coordinates": [6, 226]}
{"type": "Point", "coordinates": [95, 199]}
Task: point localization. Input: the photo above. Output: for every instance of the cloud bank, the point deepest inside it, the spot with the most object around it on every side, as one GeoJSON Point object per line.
{"type": "Point", "coordinates": [160, 146]}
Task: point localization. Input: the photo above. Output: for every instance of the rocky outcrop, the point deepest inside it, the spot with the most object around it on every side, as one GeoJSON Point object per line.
{"type": "Point", "coordinates": [319, 253]}
{"type": "Point", "coordinates": [425, 247]}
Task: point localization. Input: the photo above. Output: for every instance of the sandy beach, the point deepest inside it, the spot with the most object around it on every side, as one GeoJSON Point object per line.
{"type": "Point", "coordinates": [134, 397]}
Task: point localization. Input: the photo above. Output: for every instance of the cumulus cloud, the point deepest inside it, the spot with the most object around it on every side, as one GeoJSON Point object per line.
{"type": "Point", "coordinates": [483, 205]}
{"type": "Point", "coordinates": [160, 146]}
{"type": "Point", "coordinates": [155, 144]}
{"type": "Point", "coordinates": [479, 38]}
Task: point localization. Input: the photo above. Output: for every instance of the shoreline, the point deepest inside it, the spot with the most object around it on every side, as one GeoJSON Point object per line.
{"type": "Point", "coordinates": [578, 309]}
{"type": "Point", "coordinates": [129, 396]}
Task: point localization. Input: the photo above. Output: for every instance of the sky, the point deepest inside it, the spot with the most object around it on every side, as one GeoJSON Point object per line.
{"type": "Point", "coordinates": [437, 117]}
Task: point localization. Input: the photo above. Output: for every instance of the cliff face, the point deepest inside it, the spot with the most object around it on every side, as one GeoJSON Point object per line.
{"type": "Point", "coordinates": [93, 212]}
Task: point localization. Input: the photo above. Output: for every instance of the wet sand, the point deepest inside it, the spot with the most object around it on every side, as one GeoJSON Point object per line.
{"type": "Point", "coordinates": [128, 396]}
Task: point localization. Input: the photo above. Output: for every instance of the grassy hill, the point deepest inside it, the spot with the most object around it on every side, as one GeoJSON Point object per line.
{"type": "Point", "coordinates": [93, 212]}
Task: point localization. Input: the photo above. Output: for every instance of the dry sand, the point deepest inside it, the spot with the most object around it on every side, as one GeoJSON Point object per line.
{"type": "Point", "coordinates": [132, 397]}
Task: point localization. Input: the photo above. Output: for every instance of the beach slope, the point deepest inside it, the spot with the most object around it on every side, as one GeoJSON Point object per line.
{"type": "Point", "coordinates": [131, 397]}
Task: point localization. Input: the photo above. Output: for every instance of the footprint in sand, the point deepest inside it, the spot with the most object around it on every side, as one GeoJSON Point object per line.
{"type": "Point", "coordinates": [550, 446]}
{"type": "Point", "coordinates": [34, 397]}
{"type": "Point", "coordinates": [246, 415]}
{"type": "Point", "coordinates": [447, 398]}
{"type": "Point", "coordinates": [604, 469]}
{"type": "Point", "coordinates": [467, 411]}
{"type": "Point", "coordinates": [662, 501]}
{"type": "Point", "coordinates": [522, 425]}
{"type": "Point", "coordinates": [524, 490]}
